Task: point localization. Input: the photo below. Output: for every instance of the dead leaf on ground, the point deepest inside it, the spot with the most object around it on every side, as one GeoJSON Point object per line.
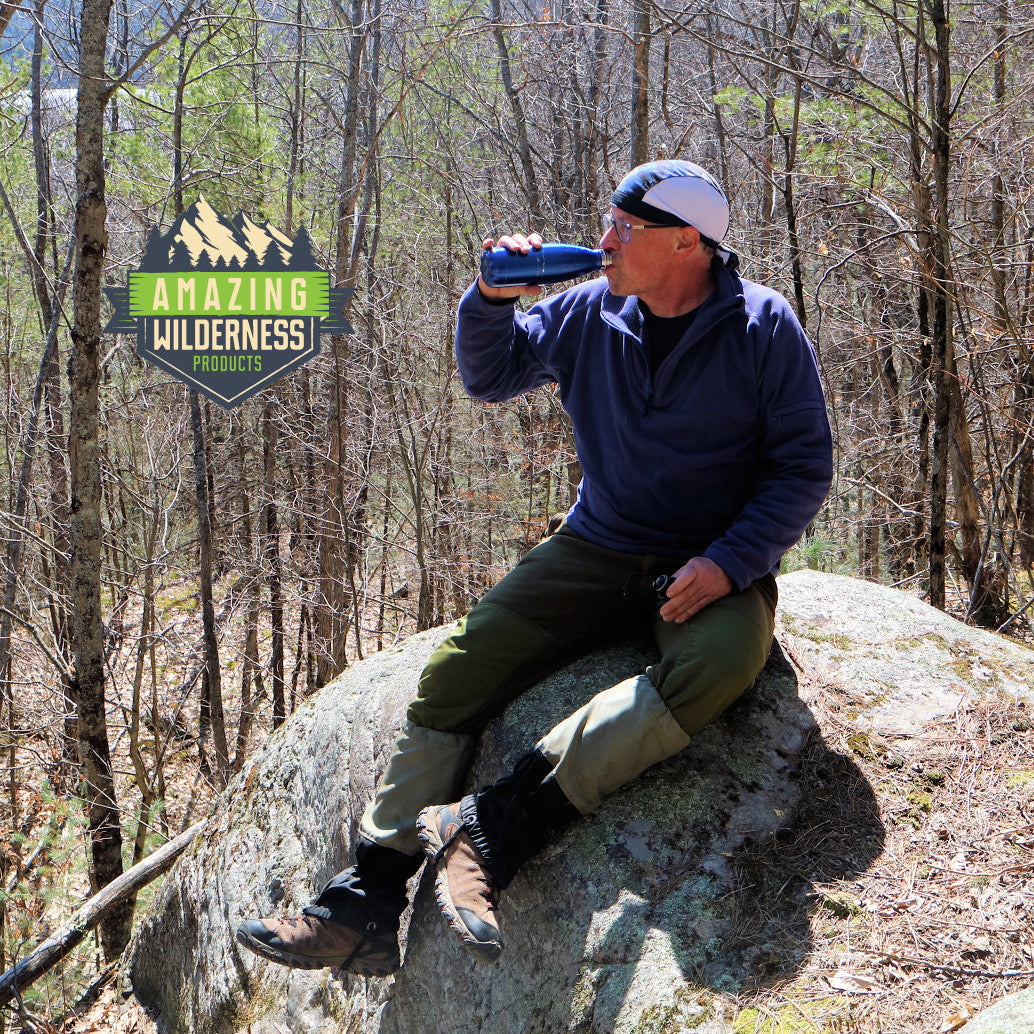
{"type": "Point", "coordinates": [957, 1020]}
{"type": "Point", "coordinates": [854, 983]}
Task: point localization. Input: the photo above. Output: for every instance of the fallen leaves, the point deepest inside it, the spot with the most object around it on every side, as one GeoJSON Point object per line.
{"type": "Point", "coordinates": [957, 1020]}
{"type": "Point", "coordinates": [854, 983]}
{"type": "Point", "coordinates": [942, 924]}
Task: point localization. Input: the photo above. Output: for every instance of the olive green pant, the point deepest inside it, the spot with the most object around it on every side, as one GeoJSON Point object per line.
{"type": "Point", "coordinates": [566, 597]}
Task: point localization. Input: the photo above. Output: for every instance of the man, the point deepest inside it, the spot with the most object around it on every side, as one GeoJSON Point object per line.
{"type": "Point", "coordinates": [700, 425]}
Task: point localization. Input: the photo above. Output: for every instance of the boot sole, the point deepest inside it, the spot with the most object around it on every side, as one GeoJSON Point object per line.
{"type": "Point", "coordinates": [357, 965]}
{"type": "Point", "coordinates": [485, 952]}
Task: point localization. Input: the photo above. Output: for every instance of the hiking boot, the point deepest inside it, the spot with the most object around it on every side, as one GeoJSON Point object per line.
{"type": "Point", "coordinates": [312, 942]}
{"type": "Point", "coordinates": [353, 924]}
{"type": "Point", "coordinates": [466, 891]}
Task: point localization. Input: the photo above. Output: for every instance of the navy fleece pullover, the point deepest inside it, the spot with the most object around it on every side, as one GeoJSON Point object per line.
{"type": "Point", "coordinates": [725, 453]}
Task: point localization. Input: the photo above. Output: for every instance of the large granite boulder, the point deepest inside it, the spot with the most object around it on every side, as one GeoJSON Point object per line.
{"type": "Point", "coordinates": [1013, 1014]}
{"type": "Point", "coordinates": [637, 920]}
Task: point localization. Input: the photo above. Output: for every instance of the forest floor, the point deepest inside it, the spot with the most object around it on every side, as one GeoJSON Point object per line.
{"type": "Point", "coordinates": [933, 931]}
{"type": "Point", "coordinates": [43, 837]}
{"type": "Point", "coordinates": [940, 925]}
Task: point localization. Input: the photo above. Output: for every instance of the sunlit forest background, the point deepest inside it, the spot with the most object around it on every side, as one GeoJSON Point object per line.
{"type": "Point", "coordinates": [178, 577]}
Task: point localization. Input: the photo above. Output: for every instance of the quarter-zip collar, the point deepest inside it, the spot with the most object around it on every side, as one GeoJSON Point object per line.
{"type": "Point", "coordinates": [624, 315]}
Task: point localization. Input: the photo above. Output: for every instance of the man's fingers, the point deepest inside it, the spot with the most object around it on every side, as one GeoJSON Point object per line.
{"type": "Point", "coordinates": [696, 585]}
{"type": "Point", "coordinates": [515, 242]}
{"type": "Point", "coordinates": [681, 607]}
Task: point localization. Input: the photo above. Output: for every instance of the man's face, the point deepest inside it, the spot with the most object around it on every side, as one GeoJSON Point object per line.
{"type": "Point", "coordinates": [642, 266]}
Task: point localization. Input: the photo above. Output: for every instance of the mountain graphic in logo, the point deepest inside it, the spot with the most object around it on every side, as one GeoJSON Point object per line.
{"type": "Point", "coordinates": [227, 305]}
{"type": "Point", "coordinates": [202, 239]}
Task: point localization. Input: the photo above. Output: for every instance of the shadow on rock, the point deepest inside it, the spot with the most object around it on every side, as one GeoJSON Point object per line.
{"type": "Point", "coordinates": [835, 834]}
{"type": "Point", "coordinates": [696, 880]}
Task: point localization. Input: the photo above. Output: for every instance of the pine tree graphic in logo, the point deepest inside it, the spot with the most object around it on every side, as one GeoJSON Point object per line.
{"type": "Point", "coordinates": [227, 305]}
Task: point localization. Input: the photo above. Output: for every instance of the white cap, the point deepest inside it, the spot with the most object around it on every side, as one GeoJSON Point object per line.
{"type": "Point", "coordinates": [675, 193]}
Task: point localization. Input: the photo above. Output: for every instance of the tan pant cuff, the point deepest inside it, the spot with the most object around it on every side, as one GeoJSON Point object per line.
{"type": "Point", "coordinates": [426, 767]}
{"type": "Point", "coordinates": [617, 735]}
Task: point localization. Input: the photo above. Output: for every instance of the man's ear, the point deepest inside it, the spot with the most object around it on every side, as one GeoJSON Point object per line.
{"type": "Point", "coordinates": [688, 239]}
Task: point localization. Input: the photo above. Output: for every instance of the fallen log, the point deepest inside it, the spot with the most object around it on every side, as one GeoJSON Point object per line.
{"type": "Point", "coordinates": [57, 946]}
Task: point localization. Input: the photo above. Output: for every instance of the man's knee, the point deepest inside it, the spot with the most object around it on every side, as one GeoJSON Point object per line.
{"type": "Point", "coordinates": [619, 733]}
{"type": "Point", "coordinates": [698, 690]}
{"type": "Point", "coordinates": [484, 663]}
{"type": "Point", "coordinates": [717, 658]}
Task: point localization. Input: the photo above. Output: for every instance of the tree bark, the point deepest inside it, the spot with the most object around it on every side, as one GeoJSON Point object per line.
{"type": "Point", "coordinates": [531, 190]}
{"type": "Point", "coordinates": [790, 142]}
{"type": "Point", "coordinates": [714, 43]}
{"type": "Point", "coordinates": [251, 674]}
{"type": "Point", "coordinates": [31, 442]}
{"type": "Point", "coordinates": [943, 346]}
{"type": "Point", "coordinates": [332, 603]}
{"type": "Point", "coordinates": [640, 117]}
{"type": "Point", "coordinates": [1023, 408]}
{"type": "Point", "coordinates": [55, 437]}
{"type": "Point", "coordinates": [213, 678]}
{"type": "Point", "coordinates": [105, 831]}
{"type": "Point", "coordinates": [271, 533]}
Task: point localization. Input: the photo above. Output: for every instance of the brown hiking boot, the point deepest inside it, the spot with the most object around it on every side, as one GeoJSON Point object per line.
{"type": "Point", "coordinates": [309, 942]}
{"type": "Point", "coordinates": [467, 894]}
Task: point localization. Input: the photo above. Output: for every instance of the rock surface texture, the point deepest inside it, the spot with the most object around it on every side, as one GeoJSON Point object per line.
{"type": "Point", "coordinates": [638, 920]}
{"type": "Point", "coordinates": [1013, 1014]}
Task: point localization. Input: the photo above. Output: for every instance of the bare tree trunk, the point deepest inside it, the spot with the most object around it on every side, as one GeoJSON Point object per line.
{"type": "Point", "coordinates": [145, 643]}
{"type": "Point", "coordinates": [55, 431]}
{"type": "Point", "coordinates": [1022, 404]}
{"type": "Point", "coordinates": [41, 159]}
{"type": "Point", "coordinates": [640, 117]}
{"type": "Point", "coordinates": [46, 406]}
{"type": "Point", "coordinates": [790, 141]}
{"type": "Point", "coordinates": [331, 607]}
{"type": "Point", "coordinates": [177, 125]}
{"type": "Point", "coordinates": [296, 114]}
{"type": "Point", "coordinates": [714, 43]}
{"type": "Point", "coordinates": [943, 347]}
{"type": "Point", "coordinates": [14, 543]}
{"type": "Point", "coordinates": [211, 717]}
{"type": "Point", "coordinates": [251, 674]}
{"type": "Point", "coordinates": [271, 531]}
{"type": "Point", "coordinates": [997, 181]}
{"type": "Point", "coordinates": [213, 692]}
{"type": "Point", "coordinates": [332, 603]}
{"type": "Point", "coordinates": [595, 150]}
{"type": "Point", "coordinates": [922, 405]}
{"type": "Point", "coordinates": [987, 606]}
{"type": "Point", "coordinates": [1023, 408]}
{"type": "Point", "coordinates": [513, 97]}
{"type": "Point", "coordinates": [84, 463]}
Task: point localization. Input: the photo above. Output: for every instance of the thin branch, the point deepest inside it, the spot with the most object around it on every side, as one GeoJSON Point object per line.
{"type": "Point", "coordinates": [60, 665]}
{"type": "Point", "coordinates": [143, 56]}
{"type": "Point", "coordinates": [115, 894]}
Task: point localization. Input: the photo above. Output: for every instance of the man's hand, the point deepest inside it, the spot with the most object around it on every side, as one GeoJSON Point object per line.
{"type": "Point", "coordinates": [696, 584]}
{"type": "Point", "coordinates": [512, 242]}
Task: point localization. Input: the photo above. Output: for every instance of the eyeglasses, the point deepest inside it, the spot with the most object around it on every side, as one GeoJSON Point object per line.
{"type": "Point", "coordinates": [624, 230]}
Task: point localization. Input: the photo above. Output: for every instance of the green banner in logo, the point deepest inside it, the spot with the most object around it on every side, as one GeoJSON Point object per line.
{"type": "Point", "coordinates": [228, 306]}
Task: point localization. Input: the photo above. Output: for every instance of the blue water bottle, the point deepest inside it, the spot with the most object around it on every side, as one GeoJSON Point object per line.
{"type": "Point", "coordinates": [548, 264]}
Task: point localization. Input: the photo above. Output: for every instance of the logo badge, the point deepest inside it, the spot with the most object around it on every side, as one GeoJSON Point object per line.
{"type": "Point", "coordinates": [229, 306]}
